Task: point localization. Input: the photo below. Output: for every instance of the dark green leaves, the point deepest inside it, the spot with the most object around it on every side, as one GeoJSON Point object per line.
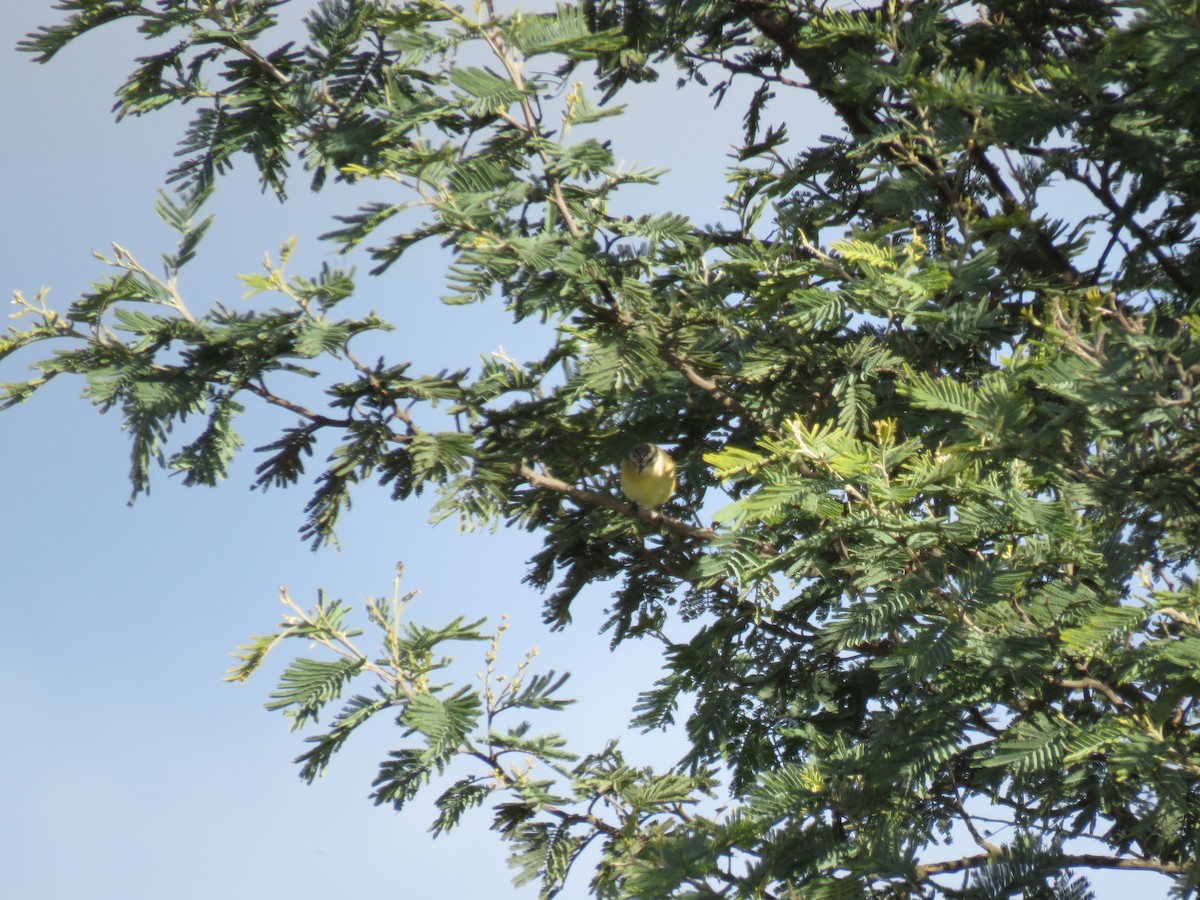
{"type": "Point", "coordinates": [85, 15]}
{"type": "Point", "coordinates": [936, 372]}
{"type": "Point", "coordinates": [308, 685]}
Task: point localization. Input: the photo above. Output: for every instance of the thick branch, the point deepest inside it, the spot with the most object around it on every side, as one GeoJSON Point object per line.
{"type": "Point", "coordinates": [1083, 860]}
{"type": "Point", "coordinates": [1081, 684]}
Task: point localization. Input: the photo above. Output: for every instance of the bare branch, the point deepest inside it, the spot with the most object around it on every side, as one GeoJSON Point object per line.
{"type": "Point", "coordinates": [261, 390]}
{"type": "Point", "coordinates": [1083, 860]}
{"type": "Point", "coordinates": [1080, 684]}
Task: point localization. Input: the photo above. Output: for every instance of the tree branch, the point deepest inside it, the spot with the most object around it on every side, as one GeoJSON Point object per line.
{"type": "Point", "coordinates": [261, 390]}
{"type": "Point", "coordinates": [1123, 217]}
{"type": "Point", "coordinates": [233, 42]}
{"type": "Point", "coordinates": [595, 498]}
{"type": "Point", "coordinates": [1083, 860]}
{"type": "Point", "coordinates": [1080, 684]}
{"type": "Point", "coordinates": [667, 353]}
{"type": "Point", "coordinates": [780, 27]}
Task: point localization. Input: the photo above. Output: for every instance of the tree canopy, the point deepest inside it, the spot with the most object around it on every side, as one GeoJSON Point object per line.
{"type": "Point", "coordinates": [934, 371]}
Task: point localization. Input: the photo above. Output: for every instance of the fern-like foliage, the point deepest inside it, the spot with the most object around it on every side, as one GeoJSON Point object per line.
{"type": "Point", "coordinates": [947, 420]}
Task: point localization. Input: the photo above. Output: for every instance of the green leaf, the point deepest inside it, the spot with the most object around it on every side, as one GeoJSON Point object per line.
{"type": "Point", "coordinates": [489, 92]}
{"type": "Point", "coordinates": [308, 685]}
{"type": "Point", "coordinates": [445, 724]}
{"type": "Point", "coordinates": [461, 796]}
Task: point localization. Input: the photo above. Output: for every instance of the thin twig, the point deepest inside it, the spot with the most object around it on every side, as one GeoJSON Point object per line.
{"type": "Point", "coordinates": [260, 390]}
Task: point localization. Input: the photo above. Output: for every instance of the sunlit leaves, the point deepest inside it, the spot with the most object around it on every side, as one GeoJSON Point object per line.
{"type": "Point", "coordinates": [85, 15]}
{"type": "Point", "coordinates": [947, 418]}
{"type": "Point", "coordinates": [308, 685]}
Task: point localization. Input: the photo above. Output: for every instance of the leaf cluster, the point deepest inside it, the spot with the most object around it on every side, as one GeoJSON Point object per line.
{"type": "Point", "coordinates": [949, 418]}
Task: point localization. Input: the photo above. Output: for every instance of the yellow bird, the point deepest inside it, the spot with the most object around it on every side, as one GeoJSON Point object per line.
{"type": "Point", "coordinates": [648, 476]}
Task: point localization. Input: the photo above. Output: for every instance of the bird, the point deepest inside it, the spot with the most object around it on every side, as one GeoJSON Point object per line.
{"type": "Point", "coordinates": [648, 476]}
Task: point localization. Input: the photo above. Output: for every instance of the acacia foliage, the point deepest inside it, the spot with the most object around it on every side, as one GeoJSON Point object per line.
{"type": "Point", "coordinates": [950, 404]}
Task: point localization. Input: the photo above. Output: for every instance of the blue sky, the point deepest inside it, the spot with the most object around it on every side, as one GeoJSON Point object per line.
{"type": "Point", "coordinates": [129, 769]}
